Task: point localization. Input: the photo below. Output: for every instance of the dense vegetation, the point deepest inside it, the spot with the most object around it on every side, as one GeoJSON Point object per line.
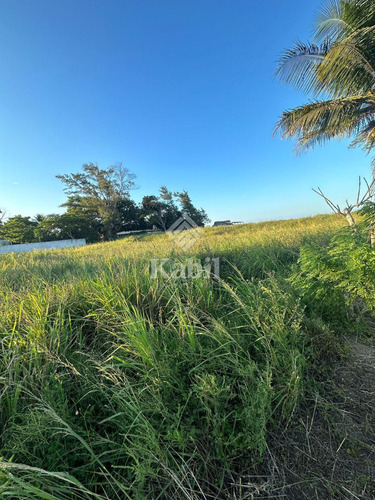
{"type": "Point", "coordinates": [98, 206]}
{"type": "Point", "coordinates": [118, 385]}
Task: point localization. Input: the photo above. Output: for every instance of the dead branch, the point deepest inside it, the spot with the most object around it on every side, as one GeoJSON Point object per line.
{"type": "Point", "coordinates": [347, 211]}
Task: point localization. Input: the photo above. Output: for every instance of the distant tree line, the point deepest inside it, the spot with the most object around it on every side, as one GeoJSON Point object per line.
{"type": "Point", "coordinates": [99, 206]}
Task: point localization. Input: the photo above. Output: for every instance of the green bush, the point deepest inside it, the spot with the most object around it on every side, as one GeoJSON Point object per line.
{"type": "Point", "coordinates": [340, 274]}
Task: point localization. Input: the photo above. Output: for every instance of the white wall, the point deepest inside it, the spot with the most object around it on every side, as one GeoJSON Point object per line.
{"type": "Point", "coordinates": [44, 245]}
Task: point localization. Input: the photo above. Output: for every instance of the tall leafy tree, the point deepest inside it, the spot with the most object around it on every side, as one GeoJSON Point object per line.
{"type": "Point", "coordinates": [159, 212]}
{"type": "Point", "coordinates": [198, 215]}
{"type": "Point", "coordinates": [165, 209]}
{"type": "Point", "coordinates": [95, 193]}
{"type": "Point", "coordinates": [338, 69]}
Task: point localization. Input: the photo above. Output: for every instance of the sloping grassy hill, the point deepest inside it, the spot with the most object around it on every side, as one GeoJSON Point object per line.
{"type": "Point", "coordinates": [116, 384]}
{"type": "Point", "coordinates": [257, 246]}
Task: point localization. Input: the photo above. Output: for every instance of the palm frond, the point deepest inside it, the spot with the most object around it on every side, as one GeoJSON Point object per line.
{"type": "Point", "coordinates": [330, 23]}
{"type": "Point", "coordinates": [349, 66]}
{"type": "Point", "coordinates": [320, 121]}
{"type": "Point", "coordinates": [366, 136]}
{"type": "Point", "coordinates": [343, 68]}
{"type": "Point", "coordinates": [299, 66]}
{"type": "Point", "coordinates": [358, 13]}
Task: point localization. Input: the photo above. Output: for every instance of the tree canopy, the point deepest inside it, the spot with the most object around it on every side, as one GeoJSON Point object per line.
{"type": "Point", "coordinates": [95, 193]}
{"type": "Point", "coordinates": [98, 206]}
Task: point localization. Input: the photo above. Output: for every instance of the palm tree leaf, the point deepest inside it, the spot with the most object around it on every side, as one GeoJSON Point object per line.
{"type": "Point", "coordinates": [349, 66]}
{"type": "Point", "coordinates": [342, 67]}
{"type": "Point", "coordinates": [330, 23]}
{"type": "Point", "coordinates": [366, 136]}
{"type": "Point", "coordinates": [299, 66]}
{"type": "Point", "coordinates": [358, 13]}
{"type": "Point", "coordinates": [319, 121]}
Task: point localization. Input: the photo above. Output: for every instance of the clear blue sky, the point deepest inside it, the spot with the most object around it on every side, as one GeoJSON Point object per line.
{"type": "Point", "coordinates": [181, 91]}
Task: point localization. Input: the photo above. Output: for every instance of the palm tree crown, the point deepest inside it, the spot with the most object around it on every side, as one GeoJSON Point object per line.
{"type": "Point", "coordinates": [339, 70]}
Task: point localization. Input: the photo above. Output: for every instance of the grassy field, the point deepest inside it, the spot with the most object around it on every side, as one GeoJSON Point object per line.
{"type": "Point", "coordinates": [115, 384]}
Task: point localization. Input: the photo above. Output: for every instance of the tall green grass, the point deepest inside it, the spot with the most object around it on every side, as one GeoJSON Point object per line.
{"type": "Point", "coordinates": [117, 385]}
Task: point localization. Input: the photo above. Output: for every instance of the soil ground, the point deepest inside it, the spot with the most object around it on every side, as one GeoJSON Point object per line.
{"type": "Point", "coordinates": [329, 450]}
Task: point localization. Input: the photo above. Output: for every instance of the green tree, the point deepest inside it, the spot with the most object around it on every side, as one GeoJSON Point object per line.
{"type": "Point", "coordinates": [95, 193]}
{"type": "Point", "coordinates": [198, 215]}
{"type": "Point", "coordinates": [65, 226]}
{"type": "Point", "coordinates": [18, 229]}
{"type": "Point", "coordinates": [161, 210]}
{"type": "Point", "coordinates": [165, 209]}
{"type": "Point", "coordinates": [155, 212]}
{"type": "Point", "coordinates": [339, 70]}
{"type": "Point", "coordinates": [130, 216]}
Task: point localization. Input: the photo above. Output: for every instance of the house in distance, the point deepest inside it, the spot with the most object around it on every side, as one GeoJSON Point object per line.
{"type": "Point", "coordinates": [225, 223]}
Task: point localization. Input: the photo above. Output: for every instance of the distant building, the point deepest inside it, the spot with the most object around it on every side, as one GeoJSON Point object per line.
{"type": "Point", "coordinates": [226, 223]}
{"type": "Point", "coordinates": [223, 223]}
